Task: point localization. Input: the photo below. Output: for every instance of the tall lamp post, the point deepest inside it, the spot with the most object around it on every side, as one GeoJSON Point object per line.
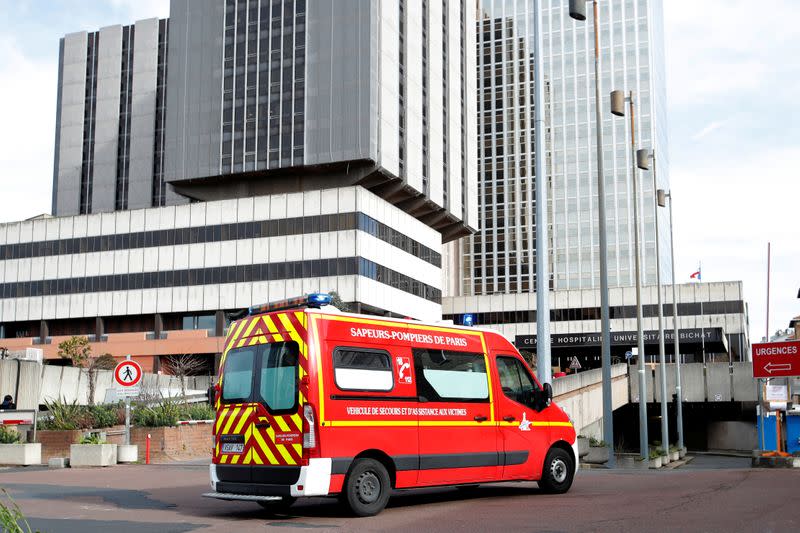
{"type": "Point", "coordinates": [643, 157]}
{"type": "Point", "coordinates": [676, 331]}
{"type": "Point", "coordinates": [577, 10]}
{"type": "Point", "coordinates": [543, 364]}
{"type": "Point", "coordinates": [618, 100]}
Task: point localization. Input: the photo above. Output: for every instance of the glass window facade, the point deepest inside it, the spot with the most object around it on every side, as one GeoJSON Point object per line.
{"type": "Point", "coordinates": [501, 257]}
{"type": "Point", "coordinates": [263, 93]}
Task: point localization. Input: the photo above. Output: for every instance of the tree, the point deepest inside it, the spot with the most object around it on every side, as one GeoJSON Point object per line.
{"type": "Point", "coordinates": [104, 362]}
{"type": "Point", "coordinates": [184, 365]}
{"type": "Point", "coordinates": [76, 349]}
{"type": "Point", "coordinates": [337, 302]}
{"type": "Point", "coordinates": [530, 358]}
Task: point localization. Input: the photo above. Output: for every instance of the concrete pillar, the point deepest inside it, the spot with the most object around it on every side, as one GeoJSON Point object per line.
{"type": "Point", "coordinates": [219, 328]}
{"type": "Point", "coordinates": [217, 361]}
{"type": "Point", "coordinates": [99, 328]}
{"type": "Point", "coordinates": [158, 325]}
{"type": "Point", "coordinates": [44, 330]}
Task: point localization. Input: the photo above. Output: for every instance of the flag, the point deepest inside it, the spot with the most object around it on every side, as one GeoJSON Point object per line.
{"type": "Point", "coordinates": [696, 275]}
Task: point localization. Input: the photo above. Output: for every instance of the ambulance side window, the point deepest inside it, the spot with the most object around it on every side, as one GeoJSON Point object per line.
{"type": "Point", "coordinates": [515, 381]}
{"type": "Point", "coordinates": [363, 369]}
{"type": "Point", "coordinates": [445, 376]}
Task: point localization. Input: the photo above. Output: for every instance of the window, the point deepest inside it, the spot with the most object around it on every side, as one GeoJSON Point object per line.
{"type": "Point", "coordinates": [278, 380]}
{"type": "Point", "coordinates": [451, 376]}
{"type": "Point", "coordinates": [275, 366]}
{"type": "Point", "coordinates": [237, 381]}
{"type": "Point", "coordinates": [515, 380]}
{"type": "Point", "coordinates": [361, 369]}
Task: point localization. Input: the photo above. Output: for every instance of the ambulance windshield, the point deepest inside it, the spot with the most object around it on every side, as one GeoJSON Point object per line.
{"type": "Point", "coordinates": [264, 373]}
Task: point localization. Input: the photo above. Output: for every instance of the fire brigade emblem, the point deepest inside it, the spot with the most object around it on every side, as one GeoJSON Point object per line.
{"type": "Point", "coordinates": [403, 369]}
{"type": "Point", "coordinates": [525, 424]}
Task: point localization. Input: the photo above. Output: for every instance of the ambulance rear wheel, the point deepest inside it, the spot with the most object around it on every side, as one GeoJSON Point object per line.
{"type": "Point", "coordinates": [557, 472]}
{"type": "Point", "coordinates": [367, 487]}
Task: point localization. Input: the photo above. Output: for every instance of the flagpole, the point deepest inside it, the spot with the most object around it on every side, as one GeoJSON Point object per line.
{"type": "Point", "coordinates": [702, 316]}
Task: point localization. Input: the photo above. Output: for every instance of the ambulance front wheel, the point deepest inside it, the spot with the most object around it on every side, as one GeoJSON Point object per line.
{"type": "Point", "coordinates": [558, 471]}
{"type": "Point", "coordinates": [367, 487]}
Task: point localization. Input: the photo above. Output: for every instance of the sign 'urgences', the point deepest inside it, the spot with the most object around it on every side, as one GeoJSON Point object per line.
{"type": "Point", "coordinates": [776, 359]}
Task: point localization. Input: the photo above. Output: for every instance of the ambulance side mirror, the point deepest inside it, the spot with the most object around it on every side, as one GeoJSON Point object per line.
{"type": "Point", "coordinates": [211, 393]}
{"type": "Point", "coordinates": [542, 397]}
{"type": "Point", "coordinates": [548, 392]}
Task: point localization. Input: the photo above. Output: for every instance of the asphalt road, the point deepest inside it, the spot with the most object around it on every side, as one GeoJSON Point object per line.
{"type": "Point", "coordinates": [713, 495]}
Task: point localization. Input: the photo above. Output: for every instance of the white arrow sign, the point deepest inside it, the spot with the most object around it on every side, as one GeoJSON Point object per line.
{"type": "Point", "coordinates": [777, 367]}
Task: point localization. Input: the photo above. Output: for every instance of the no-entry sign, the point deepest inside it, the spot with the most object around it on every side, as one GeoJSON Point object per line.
{"type": "Point", "coordinates": [128, 374]}
{"type": "Point", "coordinates": [776, 359]}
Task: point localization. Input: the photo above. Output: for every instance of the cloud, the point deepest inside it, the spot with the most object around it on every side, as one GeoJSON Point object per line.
{"type": "Point", "coordinates": [27, 105]}
{"type": "Point", "coordinates": [725, 213]}
{"type": "Point", "coordinates": [708, 129]}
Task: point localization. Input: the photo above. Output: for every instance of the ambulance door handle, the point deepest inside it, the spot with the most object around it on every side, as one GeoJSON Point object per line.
{"type": "Point", "coordinates": [509, 418]}
{"type": "Point", "coordinates": [481, 418]}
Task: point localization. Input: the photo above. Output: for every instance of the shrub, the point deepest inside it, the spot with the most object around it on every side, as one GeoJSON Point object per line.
{"type": "Point", "coordinates": [165, 413]}
{"type": "Point", "coordinates": [93, 438]}
{"type": "Point", "coordinates": [104, 416]}
{"type": "Point", "coordinates": [9, 436]}
{"type": "Point", "coordinates": [11, 518]}
{"type": "Point", "coordinates": [198, 411]}
{"type": "Point", "coordinates": [66, 416]}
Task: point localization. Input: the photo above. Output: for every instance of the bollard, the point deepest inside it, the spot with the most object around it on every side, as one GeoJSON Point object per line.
{"type": "Point", "coordinates": [147, 450]}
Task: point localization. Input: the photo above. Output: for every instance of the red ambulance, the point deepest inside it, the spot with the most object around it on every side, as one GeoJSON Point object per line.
{"type": "Point", "coordinates": [315, 402]}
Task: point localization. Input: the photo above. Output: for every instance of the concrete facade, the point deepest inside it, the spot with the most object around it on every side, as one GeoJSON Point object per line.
{"type": "Point", "coordinates": [275, 97]}
{"type": "Point", "coordinates": [703, 309]}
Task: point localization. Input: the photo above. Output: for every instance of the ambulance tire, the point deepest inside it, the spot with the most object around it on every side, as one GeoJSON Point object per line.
{"type": "Point", "coordinates": [557, 472]}
{"type": "Point", "coordinates": [278, 505]}
{"type": "Point", "coordinates": [367, 488]}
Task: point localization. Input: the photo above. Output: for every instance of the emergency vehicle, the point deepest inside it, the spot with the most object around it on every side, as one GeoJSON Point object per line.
{"type": "Point", "coordinates": [315, 402]}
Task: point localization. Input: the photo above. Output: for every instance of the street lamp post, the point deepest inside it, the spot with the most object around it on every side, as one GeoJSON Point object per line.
{"type": "Point", "coordinates": [577, 10]}
{"type": "Point", "coordinates": [643, 157]}
{"type": "Point", "coordinates": [618, 100]}
{"type": "Point", "coordinates": [678, 390]}
{"type": "Point", "coordinates": [543, 363]}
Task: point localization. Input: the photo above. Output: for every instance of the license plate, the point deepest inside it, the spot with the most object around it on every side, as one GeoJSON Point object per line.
{"type": "Point", "coordinates": [233, 447]}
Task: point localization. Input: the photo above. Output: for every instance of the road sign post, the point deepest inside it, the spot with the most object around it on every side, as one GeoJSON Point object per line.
{"type": "Point", "coordinates": [127, 378]}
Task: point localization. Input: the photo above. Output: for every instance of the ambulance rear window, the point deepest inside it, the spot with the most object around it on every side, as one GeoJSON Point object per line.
{"type": "Point", "coordinates": [361, 369]}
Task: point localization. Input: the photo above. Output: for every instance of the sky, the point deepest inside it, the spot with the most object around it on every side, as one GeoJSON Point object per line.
{"type": "Point", "coordinates": [734, 131]}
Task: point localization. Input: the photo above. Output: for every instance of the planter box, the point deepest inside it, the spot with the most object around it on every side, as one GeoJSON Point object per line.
{"type": "Point", "coordinates": [596, 456]}
{"type": "Point", "coordinates": [92, 455]}
{"type": "Point", "coordinates": [664, 460]}
{"type": "Point", "coordinates": [583, 447]}
{"type": "Point", "coordinates": [21, 454]}
{"type": "Point", "coordinates": [656, 463]}
{"type": "Point", "coordinates": [127, 453]}
{"type": "Point", "coordinates": [682, 453]}
{"type": "Point", "coordinates": [674, 456]}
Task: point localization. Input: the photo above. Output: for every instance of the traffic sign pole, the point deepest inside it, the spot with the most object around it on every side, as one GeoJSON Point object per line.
{"type": "Point", "coordinates": [128, 375]}
{"type": "Point", "coordinates": [127, 413]}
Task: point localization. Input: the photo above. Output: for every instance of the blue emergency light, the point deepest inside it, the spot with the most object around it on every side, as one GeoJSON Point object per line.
{"type": "Point", "coordinates": [316, 299]}
{"type": "Point", "coordinates": [469, 320]}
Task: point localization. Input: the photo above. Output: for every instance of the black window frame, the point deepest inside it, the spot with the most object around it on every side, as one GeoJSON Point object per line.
{"type": "Point", "coordinates": [386, 353]}
{"type": "Point", "coordinates": [524, 367]}
{"type": "Point", "coordinates": [255, 383]}
{"type": "Point", "coordinates": [427, 393]}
